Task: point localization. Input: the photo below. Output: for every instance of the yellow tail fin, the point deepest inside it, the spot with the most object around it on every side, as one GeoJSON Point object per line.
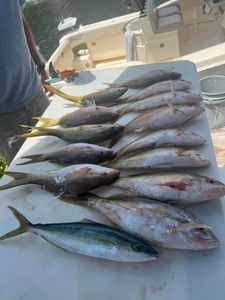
{"type": "Point", "coordinates": [47, 122]}
{"type": "Point", "coordinates": [32, 132]}
{"type": "Point", "coordinates": [56, 91]}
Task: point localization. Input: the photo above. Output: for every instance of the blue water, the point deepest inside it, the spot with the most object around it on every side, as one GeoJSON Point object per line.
{"type": "Point", "coordinates": [45, 15]}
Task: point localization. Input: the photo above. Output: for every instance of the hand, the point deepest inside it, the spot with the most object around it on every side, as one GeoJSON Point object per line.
{"type": "Point", "coordinates": [43, 77]}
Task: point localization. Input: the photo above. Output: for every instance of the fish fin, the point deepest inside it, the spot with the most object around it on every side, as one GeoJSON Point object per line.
{"type": "Point", "coordinates": [24, 225]}
{"type": "Point", "coordinates": [171, 106]}
{"type": "Point", "coordinates": [58, 92]}
{"type": "Point", "coordinates": [86, 220]}
{"type": "Point", "coordinates": [84, 170]}
{"type": "Point", "coordinates": [114, 140]}
{"type": "Point", "coordinates": [19, 179]}
{"type": "Point", "coordinates": [29, 134]}
{"type": "Point", "coordinates": [47, 122]}
{"type": "Point", "coordinates": [32, 159]}
{"type": "Point", "coordinates": [112, 84]}
{"type": "Point", "coordinates": [187, 226]}
{"type": "Point", "coordinates": [89, 102]}
{"type": "Point", "coordinates": [173, 91]}
{"type": "Point", "coordinates": [18, 175]}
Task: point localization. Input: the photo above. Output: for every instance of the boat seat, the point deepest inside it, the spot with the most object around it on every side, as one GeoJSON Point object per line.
{"type": "Point", "coordinates": [164, 19]}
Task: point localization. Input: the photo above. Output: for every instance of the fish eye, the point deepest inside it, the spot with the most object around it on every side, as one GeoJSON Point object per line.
{"type": "Point", "coordinates": [137, 247]}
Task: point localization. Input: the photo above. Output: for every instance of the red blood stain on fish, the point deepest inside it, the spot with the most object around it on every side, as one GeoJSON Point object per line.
{"type": "Point", "coordinates": [176, 185]}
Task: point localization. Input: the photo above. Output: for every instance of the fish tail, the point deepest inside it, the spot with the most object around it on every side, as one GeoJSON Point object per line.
{"type": "Point", "coordinates": [47, 122]}
{"type": "Point", "coordinates": [23, 227]}
{"type": "Point", "coordinates": [58, 92]}
{"type": "Point", "coordinates": [34, 131]}
{"type": "Point", "coordinates": [32, 159]}
{"type": "Point", "coordinates": [19, 179]}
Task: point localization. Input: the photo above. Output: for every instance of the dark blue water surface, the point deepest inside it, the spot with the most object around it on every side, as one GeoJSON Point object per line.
{"type": "Point", "coordinates": [45, 15]}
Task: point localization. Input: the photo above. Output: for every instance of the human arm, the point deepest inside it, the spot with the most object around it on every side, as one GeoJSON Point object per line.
{"type": "Point", "coordinates": [33, 50]}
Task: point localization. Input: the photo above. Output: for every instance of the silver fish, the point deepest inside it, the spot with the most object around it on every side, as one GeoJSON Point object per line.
{"type": "Point", "coordinates": [180, 98]}
{"type": "Point", "coordinates": [164, 117]}
{"type": "Point", "coordinates": [161, 87]}
{"type": "Point", "coordinates": [83, 116]}
{"type": "Point", "coordinates": [172, 187]}
{"type": "Point", "coordinates": [148, 78]}
{"type": "Point", "coordinates": [159, 223]}
{"type": "Point", "coordinates": [88, 238]}
{"type": "Point", "coordinates": [80, 134]}
{"type": "Point", "coordinates": [163, 158]}
{"type": "Point", "coordinates": [78, 153]}
{"type": "Point", "coordinates": [162, 138]}
{"type": "Point", "coordinates": [74, 179]}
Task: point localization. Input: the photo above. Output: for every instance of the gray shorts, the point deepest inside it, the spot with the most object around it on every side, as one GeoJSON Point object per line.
{"type": "Point", "coordinates": [9, 125]}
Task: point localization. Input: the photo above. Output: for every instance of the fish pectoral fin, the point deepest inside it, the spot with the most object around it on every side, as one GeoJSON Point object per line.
{"type": "Point", "coordinates": [84, 171]}
{"type": "Point", "coordinates": [171, 106]}
{"type": "Point", "coordinates": [86, 220]}
{"type": "Point", "coordinates": [187, 226]}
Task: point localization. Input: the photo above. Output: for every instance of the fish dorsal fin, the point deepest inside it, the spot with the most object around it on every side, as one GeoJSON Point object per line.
{"type": "Point", "coordinates": [86, 220]}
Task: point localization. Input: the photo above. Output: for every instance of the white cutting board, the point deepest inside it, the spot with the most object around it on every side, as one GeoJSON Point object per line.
{"type": "Point", "coordinates": [33, 269]}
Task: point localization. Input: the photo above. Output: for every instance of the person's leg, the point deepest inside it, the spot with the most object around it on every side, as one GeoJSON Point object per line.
{"type": "Point", "coordinates": [36, 108]}
{"type": "Point", "coordinates": [9, 128]}
{"type": "Point", "coordinates": [9, 125]}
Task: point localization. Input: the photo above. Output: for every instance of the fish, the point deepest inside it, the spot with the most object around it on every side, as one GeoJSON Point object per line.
{"type": "Point", "coordinates": [73, 154]}
{"type": "Point", "coordinates": [163, 118]}
{"type": "Point", "coordinates": [162, 138]}
{"type": "Point", "coordinates": [100, 97]}
{"type": "Point", "coordinates": [81, 134]}
{"type": "Point", "coordinates": [88, 238]}
{"type": "Point", "coordinates": [148, 78]}
{"type": "Point", "coordinates": [153, 102]}
{"type": "Point", "coordinates": [105, 97]}
{"type": "Point", "coordinates": [158, 223]}
{"type": "Point", "coordinates": [83, 116]}
{"type": "Point", "coordinates": [163, 158]}
{"type": "Point", "coordinates": [71, 180]}
{"type": "Point", "coordinates": [177, 188]}
{"type": "Point", "coordinates": [162, 87]}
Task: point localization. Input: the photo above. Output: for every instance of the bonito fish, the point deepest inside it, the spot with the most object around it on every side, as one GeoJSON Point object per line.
{"type": "Point", "coordinates": [74, 154]}
{"type": "Point", "coordinates": [180, 98]}
{"type": "Point", "coordinates": [172, 187]}
{"type": "Point", "coordinates": [164, 117]}
{"type": "Point", "coordinates": [163, 158]}
{"type": "Point", "coordinates": [159, 223]}
{"type": "Point", "coordinates": [81, 134]}
{"type": "Point", "coordinates": [83, 116]}
{"type": "Point", "coordinates": [161, 87]}
{"type": "Point", "coordinates": [148, 78]}
{"type": "Point", "coordinates": [88, 238]}
{"type": "Point", "coordinates": [162, 138]}
{"type": "Point", "coordinates": [74, 179]}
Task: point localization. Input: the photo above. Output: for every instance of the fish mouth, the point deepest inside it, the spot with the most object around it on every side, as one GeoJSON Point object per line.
{"type": "Point", "coordinates": [201, 239]}
{"type": "Point", "coordinates": [216, 192]}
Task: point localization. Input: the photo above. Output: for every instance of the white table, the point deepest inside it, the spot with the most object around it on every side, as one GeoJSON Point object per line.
{"type": "Point", "coordinates": [33, 269]}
